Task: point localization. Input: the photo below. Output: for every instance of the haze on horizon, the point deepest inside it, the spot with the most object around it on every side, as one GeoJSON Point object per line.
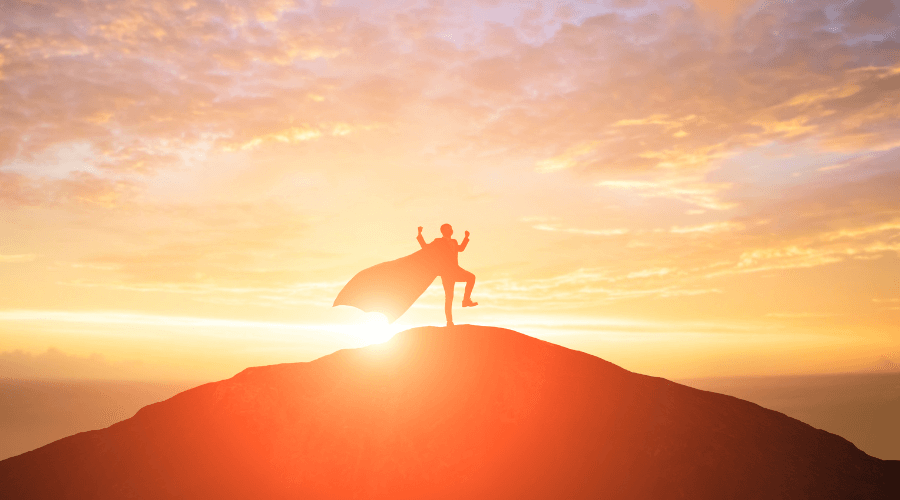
{"type": "Point", "coordinates": [683, 189]}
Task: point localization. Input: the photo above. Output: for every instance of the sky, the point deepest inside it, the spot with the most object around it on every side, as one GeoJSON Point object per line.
{"type": "Point", "coordinates": [685, 189]}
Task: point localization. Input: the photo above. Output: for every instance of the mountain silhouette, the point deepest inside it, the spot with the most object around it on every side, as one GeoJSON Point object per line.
{"type": "Point", "coordinates": [462, 412]}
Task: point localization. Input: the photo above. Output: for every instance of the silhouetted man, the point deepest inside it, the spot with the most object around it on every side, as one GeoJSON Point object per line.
{"type": "Point", "coordinates": [391, 288]}
{"type": "Point", "coordinates": [445, 251]}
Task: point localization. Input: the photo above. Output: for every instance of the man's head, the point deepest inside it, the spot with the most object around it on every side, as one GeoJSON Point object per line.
{"type": "Point", "coordinates": [447, 230]}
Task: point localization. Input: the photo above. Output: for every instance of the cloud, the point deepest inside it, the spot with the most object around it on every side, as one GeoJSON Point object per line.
{"type": "Point", "coordinates": [892, 304]}
{"type": "Point", "coordinates": [78, 188]}
{"type": "Point", "coordinates": [810, 225]}
{"type": "Point", "coordinates": [17, 190]}
{"type": "Point", "coordinates": [800, 315]}
{"type": "Point", "coordinates": [288, 113]}
{"type": "Point", "coordinates": [724, 9]}
{"type": "Point", "coordinates": [286, 296]}
{"type": "Point", "coordinates": [809, 254]}
{"type": "Point", "coordinates": [657, 116]}
{"type": "Point", "coordinates": [192, 248]}
{"type": "Point", "coordinates": [132, 81]}
{"type": "Point", "coordinates": [870, 16]}
{"type": "Point", "coordinates": [691, 191]}
{"type": "Point", "coordinates": [608, 95]}
{"type": "Point", "coordinates": [713, 227]}
{"type": "Point", "coordinates": [55, 364]}
{"type": "Point", "coordinates": [858, 232]}
{"type": "Point", "coordinates": [25, 257]}
{"type": "Point", "coordinates": [590, 286]}
{"type": "Point", "coordinates": [587, 232]}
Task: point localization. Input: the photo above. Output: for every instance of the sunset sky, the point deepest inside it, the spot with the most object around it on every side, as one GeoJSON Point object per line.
{"type": "Point", "coordinates": [683, 189]}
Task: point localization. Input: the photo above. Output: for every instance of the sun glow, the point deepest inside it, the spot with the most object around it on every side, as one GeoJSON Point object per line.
{"type": "Point", "coordinates": [169, 345]}
{"type": "Point", "coordinates": [373, 328]}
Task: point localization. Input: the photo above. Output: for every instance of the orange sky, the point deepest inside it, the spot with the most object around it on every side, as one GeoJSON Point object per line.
{"type": "Point", "coordinates": [682, 189]}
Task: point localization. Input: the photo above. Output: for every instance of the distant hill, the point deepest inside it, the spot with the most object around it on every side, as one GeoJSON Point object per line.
{"type": "Point", "coordinates": [885, 365]}
{"type": "Point", "coordinates": [36, 412]}
{"type": "Point", "coordinates": [864, 408]}
{"type": "Point", "coordinates": [462, 412]}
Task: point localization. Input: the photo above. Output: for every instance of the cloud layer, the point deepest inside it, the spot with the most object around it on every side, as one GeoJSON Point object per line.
{"type": "Point", "coordinates": [245, 158]}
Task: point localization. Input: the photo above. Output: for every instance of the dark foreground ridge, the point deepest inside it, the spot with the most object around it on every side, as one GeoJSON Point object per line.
{"type": "Point", "coordinates": [463, 412]}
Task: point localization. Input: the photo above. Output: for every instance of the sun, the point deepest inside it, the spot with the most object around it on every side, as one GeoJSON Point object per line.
{"type": "Point", "coordinates": [373, 328]}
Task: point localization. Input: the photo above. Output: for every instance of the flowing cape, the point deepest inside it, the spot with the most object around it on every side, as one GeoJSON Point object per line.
{"type": "Point", "coordinates": [390, 287]}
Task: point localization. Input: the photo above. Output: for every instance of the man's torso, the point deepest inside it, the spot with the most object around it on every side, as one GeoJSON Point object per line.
{"type": "Point", "coordinates": [446, 253]}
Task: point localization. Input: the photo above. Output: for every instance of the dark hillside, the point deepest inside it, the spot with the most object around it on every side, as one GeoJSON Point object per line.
{"type": "Point", "coordinates": [462, 412]}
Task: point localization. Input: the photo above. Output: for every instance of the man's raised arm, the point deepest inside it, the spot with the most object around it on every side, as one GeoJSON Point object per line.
{"type": "Point", "coordinates": [462, 246]}
{"type": "Point", "coordinates": [420, 239]}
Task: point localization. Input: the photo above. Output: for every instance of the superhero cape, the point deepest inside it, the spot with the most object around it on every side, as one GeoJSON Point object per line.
{"type": "Point", "coordinates": [390, 287]}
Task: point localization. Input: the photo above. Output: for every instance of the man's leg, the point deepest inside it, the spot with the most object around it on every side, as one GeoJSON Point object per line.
{"type": "Point", "coordinates": [469, 278]}
{"type": "Point", "coordinates": [448, 283]}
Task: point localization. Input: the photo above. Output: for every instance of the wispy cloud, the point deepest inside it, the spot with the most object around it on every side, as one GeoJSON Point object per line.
{"type": "Point", "coordinates": [799, 315]}
{"type": "Point", "coordinates": [695, 193]}
{"type": "Point", "coordinates": [55, 364]}
{"type": "Point", "coordinates": [23, 257]}
{"type": "Point", "coordinates": [856, 233]}
{"type": "Point", "coordinates": [799, 257]}
{"type": "Point", "coordinates": [128, 318]}
{"type": "Point", "coordinates": [318, 294]}
{"type": "Point", "coordinates": [713, 227]}
{"type": "Point", "coordinates": [587, 232]}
